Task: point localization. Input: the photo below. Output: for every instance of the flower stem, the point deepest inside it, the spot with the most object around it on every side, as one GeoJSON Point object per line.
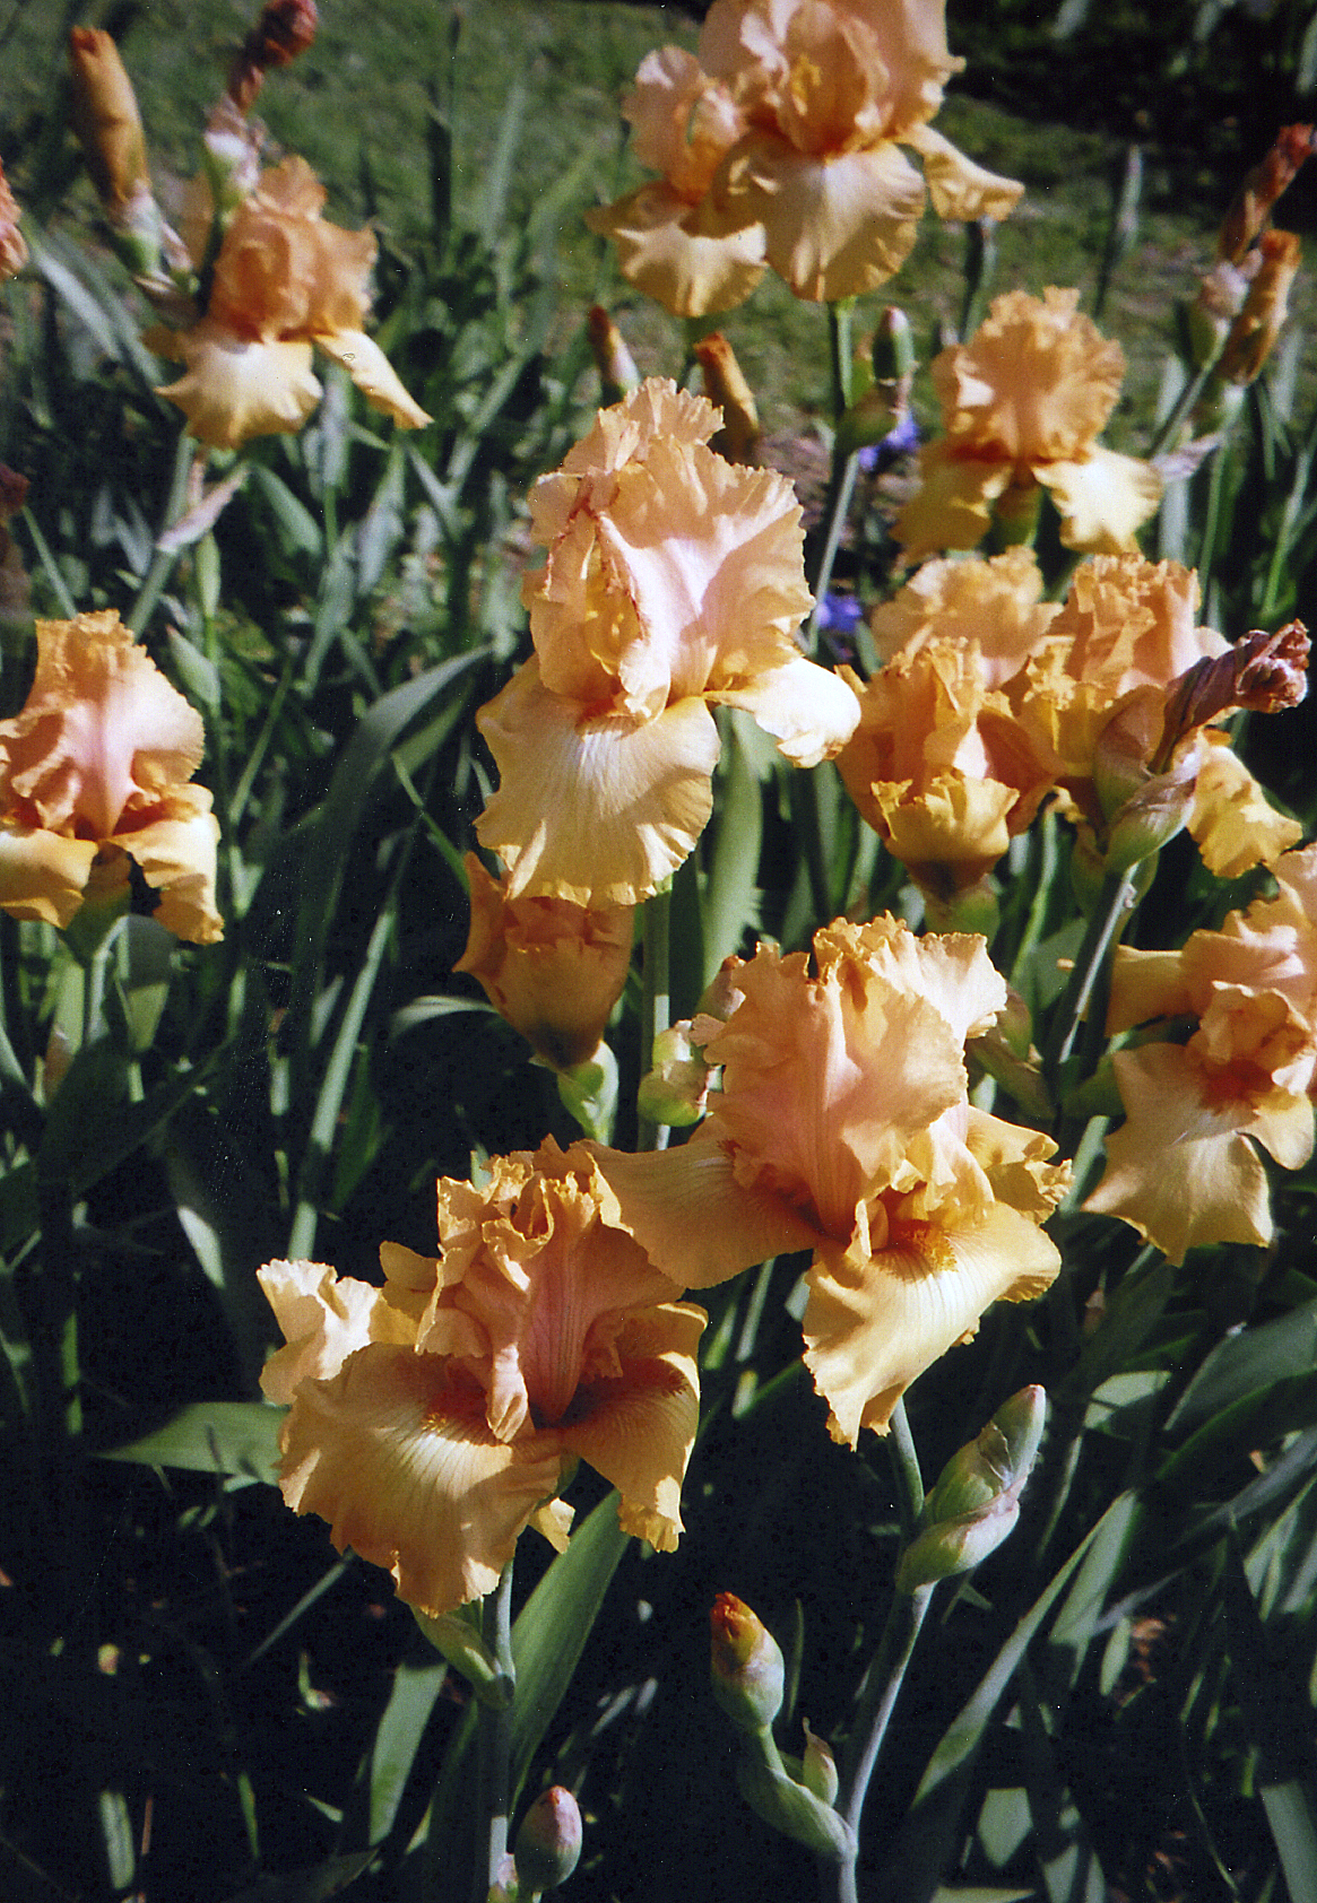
{"type": "Point", "coordinates": [495, 1743]}
{"type": "Point", "coordinates": [163, 560]}
{"type": "Point", "coordinates": [655, 999]}
{"type": "Point", "coordinates": [1104, 929]}
{"type": "Point", "coordinates": [878, 1696]}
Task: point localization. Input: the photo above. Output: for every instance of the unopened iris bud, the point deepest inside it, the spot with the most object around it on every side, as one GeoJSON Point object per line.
{"type": "Point", "coordinates": [1261, 188]}
{"type": "Point", "coordinates": [724, 385]}
{"type": "Point", "coordinates": [749, 1675]}
{"type": "Point", "coordinates": [976, 1501]}
{"type": "Point", "coordinates": [106, 120]}
{"type": "Point", "coordinates": [285, 29]}
{"type": "Point", "coordinates": [676, 1090]}
{"type": "Point", "coordinates": [1254, 332]}
{"type": "Point", "coordinates": [548, 1846]}
{"type": "Point", "coordinates": [618, 375]}
{"type": "Point", "coordinates": [893, 351]}
{"type": "Point", "coordinates": [818, 1769]}
{"type": "Point", "coordinates": [13, 246]}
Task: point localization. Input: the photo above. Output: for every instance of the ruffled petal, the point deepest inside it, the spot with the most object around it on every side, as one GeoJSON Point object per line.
{"type": "Point", "coordinates": [1104, 498]}
{"type": "Point", "coordinates": [691, 1216]}
{"type": "Point", "coordinates": [871, 1326]}
{"type": "Point", "coordinates": [238, 387]}
{"type": "Point", "coordinates": [404, 1468]}
{"type": "Point", "coordinates": [43, 874]}
{"type": "Point", "coordinates": [176, 855]}
{"type": "Point", "coordinates": [596, 811]}
{"type": "Point", "coordinates": [809, 711]}
{"type": "Point", "coordinates": [638, 1431]}
{"type": "Point", "coordinates": [688, 259]}
{"type": "Point", "coordinates": [1231, 819]}
{"type": "Point", "coordinates": [1181, 1169]}
{"type": "Point", "coordinates": [952, 506]}
{"type": "Point", "coordinates": [373, 375]}
{"type": "Point", "coordinates": [324, 1319]}
{"type": "Point", "coordinates": [836, 224]}
{"type": "Point", "coordinates": [960, 189]}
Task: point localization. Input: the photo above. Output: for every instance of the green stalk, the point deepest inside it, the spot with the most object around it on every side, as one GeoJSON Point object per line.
{"type": "Point", "coordinates": [162, 562]}
{"type": "Point", "coordinates": [655, 999]}
{"type": "Point", "coordinates": [494, 1743]}
{"type": "Point", "coordinates": [1104, 929]}
{"type": "Point", "coordinates": [882, 1683]}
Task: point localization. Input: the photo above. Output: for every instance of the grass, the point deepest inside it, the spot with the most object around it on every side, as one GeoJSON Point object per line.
{"type": "Point", "coordinates": [357, 105]}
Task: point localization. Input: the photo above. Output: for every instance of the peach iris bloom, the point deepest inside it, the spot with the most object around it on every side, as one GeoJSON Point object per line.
{"type": "Point", "coordinates": [782, 143]}
{"type": "Point", "coordinates": [1099, 681]}
{"type": "Point", "coordinates": [434, 1418]}
{"type": "Point", "coordinates": [554, 970]}
{"type": "Point", "coordinates": [284, 280]}
{"type": "Point", "coordinates": [939, 765]}
{"type": "Point", "coordinates": [673, 580]}
{"type": "Point", "coordinates": [1023, 403]}
{"type": "Point", "coordinates": [844, 1127]}
{"type": "Point", "coordinates": [1184, 1167]}
{"type": "Point", "coordinates": [94, 772]}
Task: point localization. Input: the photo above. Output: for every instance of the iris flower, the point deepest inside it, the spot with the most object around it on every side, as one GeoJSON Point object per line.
{"type": "Point", "coordinates": [95, 771]}
{"type": "Point", "coordinates": [432, 1419]}
{"type": "Point", "coordinates": [284, 279]}
{"type": "Point", "coordinates": [844, 1127]}
{"type": "Point", "coordinates": [673, 580]}
{"type": "Point", "coordinates": [782, 145]}
{"type": "Point", "coordinates": [1023, 404]}
{"type": "Point", "coordinates": [554, 970]}
{"type": "Point", "coordinates": [1184, 1167]}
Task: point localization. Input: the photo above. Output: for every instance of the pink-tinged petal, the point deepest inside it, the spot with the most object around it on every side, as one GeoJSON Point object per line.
{"type": "Point", "coordinates": [325, 1319]}
{"type": "Point", "coordinates": [101, 735]}
{"type": "Point", "coordinates": [710, 554]}
{"type": "Point", "coordinates": [237, 387]}
{"type": "Point", "coordinates": [638, 1430]}
{"type": "Point", "coordinates": [597, 811]}
{"type": "Point", "coordinates": [809, 711]}
{"type": "Point", "coordinates": [374, 376]}
{"type": "Point", "coordinates": [826, 1080]}
{"type": "Point", "coordinates": [835, 225]}
{"type": "Point", "coordinates": [404, 1468]}
{"type": "Point", "coordinates": [43, 874]}
{"type": "Point", "coordinates": [1234, 824]}
{"type": "Point", "coordinates": [949, 970]}
{"type": "Point", "coordinates": [1103, 499]}
{"type": "Point", "coordinates": [690, 259]}
{"type": "Point", "coordinates": [682, 120]}
{"type": "Point", "coordinates": [960, 189]}
{"type": "Point", "coordinates": [871, 1326]}
{"type": "Point", "coordinates": [952, 506]}
{"type": "Point", "coordinates": [694, 1220]}
{"type": "Point", "coordinates": [176, 855]}
{"type": "Point", "coordinates": [1181, 1169]}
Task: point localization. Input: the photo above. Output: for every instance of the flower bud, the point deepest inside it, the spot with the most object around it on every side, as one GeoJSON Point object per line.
{"type": "Point", "coordinates": [1261, 188]}
{"type": "Point", "coordinates": [724, 385]}
{"type": "Point", "coordinates": [749, 1674]}
{"type": "Point", "coordinates": [13, 246]}
{"type": "Point", "coordinates": [285, 29]}
{"type": "Point", "coordinates": [553, 969]}
{"type": "Point", "coordinates": [819, 1768]}
{"type": "Point", "coordinates": [618, 375]}
{"type": "Point", "coordinates": [976, 1501]}
{"type": "Point", "coordinates": [548, 1846]}
{"type": "Point", "coordinates": [1254, 332]}
{"type": "Point", "coordinates": [107, 122]}
{"type": "Point", "coordinates": [676, 1090]}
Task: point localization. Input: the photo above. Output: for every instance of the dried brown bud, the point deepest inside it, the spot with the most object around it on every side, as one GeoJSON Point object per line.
{"type": "Point", "coordinates": [1264, 673]}
{"type": "Point", "coordinates": [285, 29]}
{"type": "Point", "coordinates": [13, 249]}
{"type": "Point", "coordinates": [1260, 190]}
{"type": "Point", "coordinates": [739, 438]}
{"type": "Point", "coordinates": [1254, 332]}
{"type": "Point", "coordinates": [107, 122]}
